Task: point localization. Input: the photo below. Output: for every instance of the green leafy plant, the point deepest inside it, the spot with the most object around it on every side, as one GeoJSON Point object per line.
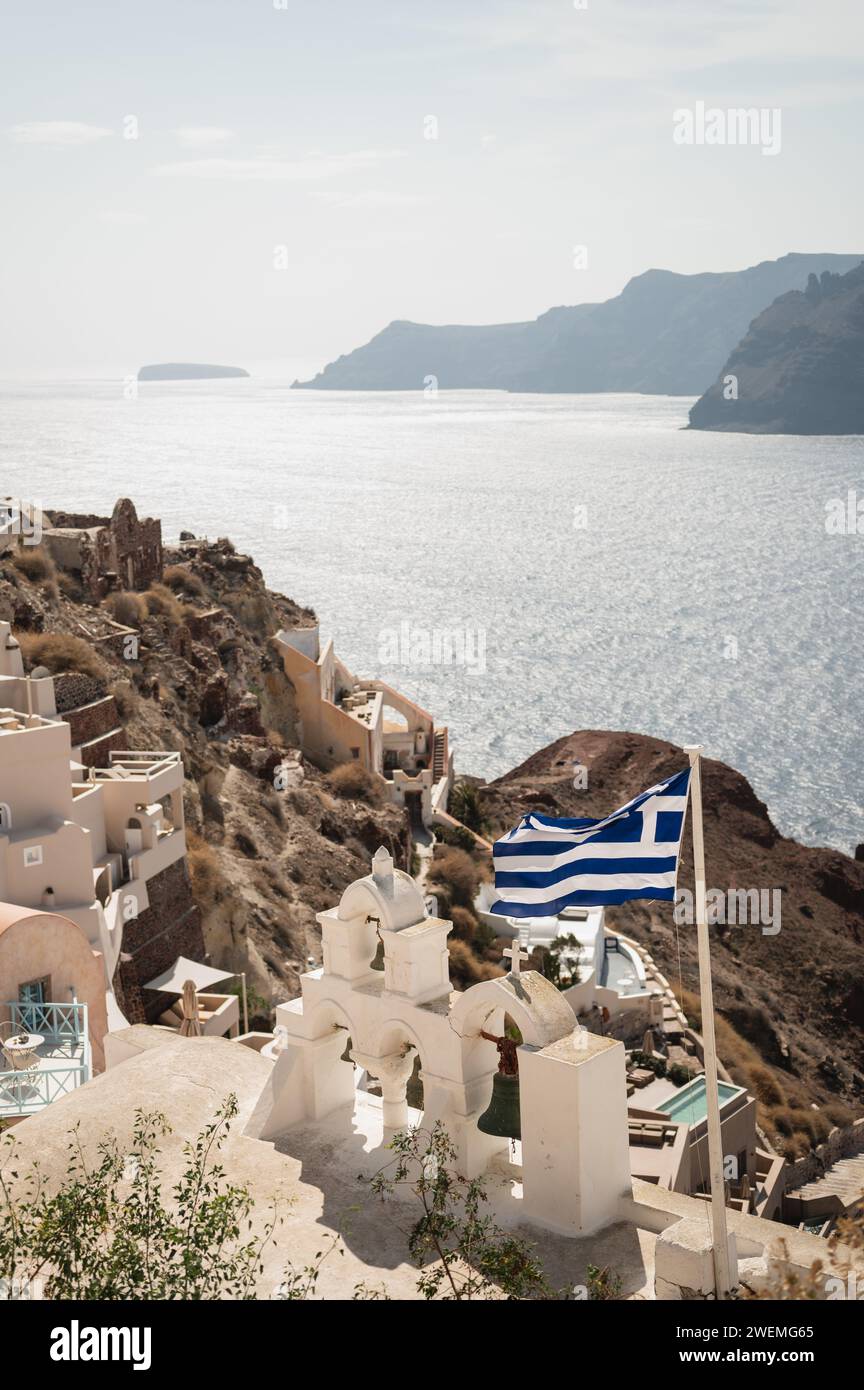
{"type": "Point", "coordinates": [647, 1060]}
{"type": "Point", "coordinates": [603, 1285]}
{"type": "Point", "coordinates": [457, 837]}
{"type": "Point", "coordinates": [107, 1232]}
{"type": "Point", "coordinates": [560, 961]}
{"type": "Point", "coordinates": [464, 804]}
{"type": "Point", "coordinates": [456, 1245]}
{"type": "Point", "coordinates": [678, 1075]}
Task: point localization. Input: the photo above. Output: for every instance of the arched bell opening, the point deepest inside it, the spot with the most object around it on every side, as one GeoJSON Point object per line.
{"type": "Point", "coordinates": [493, 1023]}
{"type": "Point", "coordinates": [337, 1067]}
{"type": "Point", "coordinates": [395, 1072]}
{"type": "Point", "coordinates": [502, 1118]}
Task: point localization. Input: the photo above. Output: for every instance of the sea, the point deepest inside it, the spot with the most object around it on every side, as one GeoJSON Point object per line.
{"type": "Point", "coordinates": [521, 565]}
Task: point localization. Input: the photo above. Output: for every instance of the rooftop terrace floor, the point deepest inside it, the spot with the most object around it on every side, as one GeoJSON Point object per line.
{"type": "Point", "coordinates": [313, 1170]}
{"type": "Point", "coordinates": [59, 1070]}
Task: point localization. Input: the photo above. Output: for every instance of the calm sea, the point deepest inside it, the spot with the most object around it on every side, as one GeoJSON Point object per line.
{"type": "Point", "coordinates": [583, 561]}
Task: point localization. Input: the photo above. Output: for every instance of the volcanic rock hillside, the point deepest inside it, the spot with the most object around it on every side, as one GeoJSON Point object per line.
{"type": "Point", "coordinates": [796, 997]}
{"type": "Point", "coordinates": [665, 333]}
{"type": "Point", "coordinates": [800, 368]}
{"type": "Point", "coordinates": [206, 681]}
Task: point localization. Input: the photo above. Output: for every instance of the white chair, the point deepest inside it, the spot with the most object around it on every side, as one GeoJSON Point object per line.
{"type": "Point", "coordinates": [19, 1058]}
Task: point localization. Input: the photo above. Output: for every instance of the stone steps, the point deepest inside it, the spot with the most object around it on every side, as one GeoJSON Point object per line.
{"type": "Point", "coordinates": [845, 1179]}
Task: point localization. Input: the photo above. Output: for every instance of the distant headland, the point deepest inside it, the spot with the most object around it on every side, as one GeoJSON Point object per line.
{"type": "Point", "coordinates": [186, 371]}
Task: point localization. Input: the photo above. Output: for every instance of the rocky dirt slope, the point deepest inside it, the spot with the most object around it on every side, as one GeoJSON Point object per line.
{"type": "Point", "coordinates": [268, 847]}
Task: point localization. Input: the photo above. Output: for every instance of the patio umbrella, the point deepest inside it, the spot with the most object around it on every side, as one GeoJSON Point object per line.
{"type": "Point", "coordinates": [648, 1042]}
{"type": "Point", "coordinates": [190, 1026]}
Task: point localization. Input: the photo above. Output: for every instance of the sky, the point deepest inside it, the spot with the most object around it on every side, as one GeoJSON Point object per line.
{"type": "Point", "coordinates": [270, 181]}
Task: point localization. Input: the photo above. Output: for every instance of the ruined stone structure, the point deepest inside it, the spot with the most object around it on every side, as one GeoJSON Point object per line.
{"type": "Point", "coordinates": [105, 553]}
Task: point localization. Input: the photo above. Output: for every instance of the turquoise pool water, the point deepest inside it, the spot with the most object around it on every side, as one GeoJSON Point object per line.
{"type": "Point", "coordinates": [689, 1105]}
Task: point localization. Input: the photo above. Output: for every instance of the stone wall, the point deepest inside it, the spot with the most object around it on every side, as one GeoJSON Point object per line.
{"type": "Point", "coordinates": [92, 721]}
{"type": "Point", "coordinates": [73, 689]}
{"type": "Point", "coordinates": [132, 547]}
{"type": "Point", "coordinates": [98, 752]}
{"type": "Point", "coordinates": [170, 927]}
{"type": "Point", "coordinates": [841, 1143]}
{"type": "Point", "coordinates": [205, 625]}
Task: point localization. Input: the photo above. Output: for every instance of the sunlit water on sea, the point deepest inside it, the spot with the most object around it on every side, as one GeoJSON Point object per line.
{"type": "Point", "coordinates": [701, 601]}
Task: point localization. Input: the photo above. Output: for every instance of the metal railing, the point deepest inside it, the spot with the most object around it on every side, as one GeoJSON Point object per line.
{"type": "Point", "coordinates": [60, 1022]}
{"type": "Point", "coordinates": [135, 765]}
{"type": "Point", "coordinates": [26, 1091]}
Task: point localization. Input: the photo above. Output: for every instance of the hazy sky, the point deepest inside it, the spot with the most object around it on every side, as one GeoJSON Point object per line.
{"type": "Point", "coordinates": [303, 128]}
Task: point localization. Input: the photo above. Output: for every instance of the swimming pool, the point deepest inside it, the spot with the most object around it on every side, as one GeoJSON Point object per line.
{"type": "Point", "coordinates": [689, 1105]}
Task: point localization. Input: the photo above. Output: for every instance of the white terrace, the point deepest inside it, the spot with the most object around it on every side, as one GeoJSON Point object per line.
{"type": "Point", "coordinates": [54, 1061]}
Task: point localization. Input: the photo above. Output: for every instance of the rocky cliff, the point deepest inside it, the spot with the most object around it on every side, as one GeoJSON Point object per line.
{"type": "Point", "coordinates": [795, 1000]}
{"type": "Point", "coordinates": [800, 367]}
{"type": "Point", "coordinates": [665, 333]}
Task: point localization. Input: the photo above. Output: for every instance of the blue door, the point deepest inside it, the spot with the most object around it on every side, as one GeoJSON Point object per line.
{"type": "Point", "coordinates": [32, 999]}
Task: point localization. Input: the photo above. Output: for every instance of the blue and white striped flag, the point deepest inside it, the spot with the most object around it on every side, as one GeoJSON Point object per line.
{"type": "Point", "coordinates": [545, 865]}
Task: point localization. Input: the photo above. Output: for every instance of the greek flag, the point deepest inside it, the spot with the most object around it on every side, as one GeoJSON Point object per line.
{"type": "Point", "coordinates": [545, 865]}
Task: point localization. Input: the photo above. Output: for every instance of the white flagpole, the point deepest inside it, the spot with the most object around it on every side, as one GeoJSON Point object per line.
{"type": "Point", "coordinates": [722, 1278]}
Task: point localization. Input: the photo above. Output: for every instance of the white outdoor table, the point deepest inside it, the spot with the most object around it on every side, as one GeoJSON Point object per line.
{"type": "Point", "coordinates": [21, 1049]}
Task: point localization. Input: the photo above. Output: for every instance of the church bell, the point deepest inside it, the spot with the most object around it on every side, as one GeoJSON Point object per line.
{"type": "Point", "coordinates": [503, 1116]}
{"type": "Point", "coordinates": [378, 959]}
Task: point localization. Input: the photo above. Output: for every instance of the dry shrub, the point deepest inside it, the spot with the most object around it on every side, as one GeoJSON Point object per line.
{"type": "Point", "coordinates": [245, 844]}
{"type": "Point", "coordinates": [127, 608]}
{"type": "Point", "coordinates": [161, 603]}
{"type": "Point", "coordinates": [272, 802]}
{"type": "Point", "coordinates": [792, 1146]}
{"type": "Point", "coordinates": [464, 924]}
{"type": "Point", "coordinates": [58, 651]}
{"type": "Point", "coordinates": [352, 781]}
{"type": "Point", "coordinates": [466, 969]}
{"type": "Point", "coordinates": [69, 585]}
{"type": "Point", "coordinates": [781, 1118]}
{"type": "Point", "coordinates": [735, 1052]}
{"type": "Point", "coordinates": [839, 1114]}
{"type": "Point", "coordinates": [812, 1123]}
{"type": "Point", "coordinates": [183, 581]}
{"type": "Point", "coordinates": [795, 1121]}
{"type": "Point", "coordinates": [763, 1084]}
{"type": "Point", "coordinates": [458, 872]}
{"type": "Point", "coordinates": [125, 698]}
{"type": "Point", "coordinates": [208, 881]}
{"type": "Point", "coordinates": [692, 1006]}
{"type": "Point", "coordinates": [253, 611]}
{"type": "Point", "coordinates": [34, 563]}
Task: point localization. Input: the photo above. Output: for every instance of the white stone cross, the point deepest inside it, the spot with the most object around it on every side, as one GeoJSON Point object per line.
{"type": "Point", "coordinates": [516, 955]}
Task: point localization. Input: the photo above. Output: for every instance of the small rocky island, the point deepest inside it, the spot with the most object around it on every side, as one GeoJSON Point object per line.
{"type": "Point", "coordinates": [187, 371]}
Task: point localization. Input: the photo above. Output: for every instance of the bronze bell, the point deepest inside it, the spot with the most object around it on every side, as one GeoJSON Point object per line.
{"type": "Point", "coordinates": [378, 958]}
{"type": "Point", "coordinates": [503, 1115]}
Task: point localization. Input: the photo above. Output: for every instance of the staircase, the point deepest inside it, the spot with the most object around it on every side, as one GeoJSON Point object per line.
{"type": "Point", "coordinates": [439, 755]}
{"type": "Point", "coordinates": [844, 1180]}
